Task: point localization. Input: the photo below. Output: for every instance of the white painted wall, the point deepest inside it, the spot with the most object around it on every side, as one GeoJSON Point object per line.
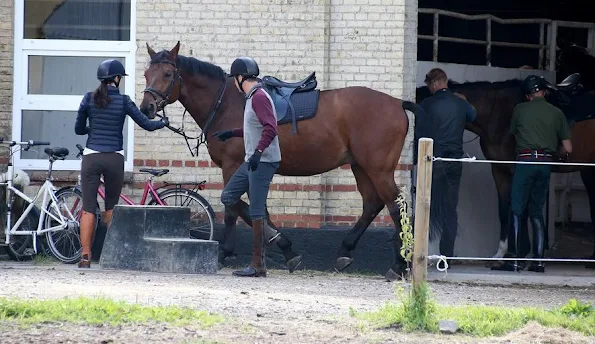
{"type": "Point", "coordinates": [478, 202]}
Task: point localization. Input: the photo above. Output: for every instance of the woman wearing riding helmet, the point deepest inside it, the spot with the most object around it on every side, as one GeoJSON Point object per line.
{"type": "Point", "coordinates": [106, 110]}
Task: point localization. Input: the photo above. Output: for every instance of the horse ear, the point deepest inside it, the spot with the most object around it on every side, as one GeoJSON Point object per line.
{"type": "Point", "coordinates": [174, 52]}
{"type": "Point", "coordinates": [150, 50]}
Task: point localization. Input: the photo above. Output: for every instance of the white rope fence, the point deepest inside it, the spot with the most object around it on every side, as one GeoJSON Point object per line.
{"type": "Point", "coordinates": [423, 186]}
{"type": "Point", "coordinates": [474, 159]}
{"type": "Point", "coordinates": [443, 259]}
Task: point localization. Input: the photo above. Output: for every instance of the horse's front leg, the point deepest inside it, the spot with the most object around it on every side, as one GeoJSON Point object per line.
{"type": "Point", "coordinates": [503, 180]}
{"type": "Point", "coordinates": [228, 240]}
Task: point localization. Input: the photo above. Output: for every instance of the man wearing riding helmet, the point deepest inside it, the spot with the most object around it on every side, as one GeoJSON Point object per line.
{"type": "Point", "coordinates": [106, 110]}
{"type": "Point", "coordinates": [538, 128]}
{"type": "Point", "coordinates": [262, 157]}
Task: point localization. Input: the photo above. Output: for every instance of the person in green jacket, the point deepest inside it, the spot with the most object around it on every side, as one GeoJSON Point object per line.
{"type": "Point", "coordinates": [538, 128]}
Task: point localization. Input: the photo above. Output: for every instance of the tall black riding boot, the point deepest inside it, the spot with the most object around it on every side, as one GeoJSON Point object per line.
{"type": "Point", "coordinates": [538, 244]}
{"type": "Point", "coordinates": [513, 247]}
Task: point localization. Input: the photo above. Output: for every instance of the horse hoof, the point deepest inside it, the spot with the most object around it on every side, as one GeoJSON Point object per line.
{"type": "Point", "coordinates": [536, 268]}
{"type": "Point", "coordinates": [223, 257]}
{"type": "Point", "coordinates": [342, 263]}
{"type": "Point", "coordinates": [391, 275]}
{"type": "Point", "coordinates": [294, 263]}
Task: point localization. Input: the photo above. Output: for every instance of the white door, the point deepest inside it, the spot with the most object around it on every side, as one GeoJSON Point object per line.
{"type": "Point", "coordinates": [58, 46]}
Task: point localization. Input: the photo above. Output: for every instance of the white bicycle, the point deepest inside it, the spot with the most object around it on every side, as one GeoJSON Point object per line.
{"type": "Point", "coordinates": [55, 218]}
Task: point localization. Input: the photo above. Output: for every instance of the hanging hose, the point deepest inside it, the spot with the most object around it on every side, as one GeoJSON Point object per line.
{"type": "Point", "coordinates": [406, 234]}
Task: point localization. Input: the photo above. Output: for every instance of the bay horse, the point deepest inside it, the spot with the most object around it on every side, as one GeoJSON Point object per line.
{"type": "Point", "coordinates": [358, 126]}
{"type": "Point", "coordinates": [494, 102]}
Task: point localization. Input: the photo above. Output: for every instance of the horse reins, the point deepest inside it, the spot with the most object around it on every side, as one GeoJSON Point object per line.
{"type": "Point", "coordinates": [202, 138]}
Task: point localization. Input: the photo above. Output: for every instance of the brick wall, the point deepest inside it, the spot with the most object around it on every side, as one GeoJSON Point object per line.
{"type": "Point", "coordinates": [6, 57]}
{"type": "Point", "coordinates": [348, 42]}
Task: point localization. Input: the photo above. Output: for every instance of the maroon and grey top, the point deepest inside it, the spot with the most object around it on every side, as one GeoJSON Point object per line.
{"type": "Point", "coordinates": [260, 127]}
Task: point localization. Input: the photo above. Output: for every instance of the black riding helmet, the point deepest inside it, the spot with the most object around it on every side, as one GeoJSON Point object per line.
{"type": "Point", "coordinates": [109, 69]}
{"type": "Point", "coordinates": [246, 67]}
{"type": "Point", "coordinates": [532, 84]}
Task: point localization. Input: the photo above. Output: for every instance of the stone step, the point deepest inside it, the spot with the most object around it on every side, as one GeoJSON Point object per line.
{"type": "Point", "coordinates": [165, 221]}
{"type": "Point", "coordinates": [155, 238]}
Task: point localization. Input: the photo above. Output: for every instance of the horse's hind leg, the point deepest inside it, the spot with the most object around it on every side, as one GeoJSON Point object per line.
{"type": "Point", "coordinates": [372, 205]}
{"type": "Point", "coordinates": [389, 192]}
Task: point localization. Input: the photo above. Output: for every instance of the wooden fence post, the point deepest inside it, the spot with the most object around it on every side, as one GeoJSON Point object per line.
{"type": "Point", "coordinates": [422, 210]}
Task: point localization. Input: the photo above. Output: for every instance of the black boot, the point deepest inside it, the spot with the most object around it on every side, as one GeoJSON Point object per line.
{"type": "Point", "coordinates": [513, 247]}
{"type": "Point", "coordinates": [538, 244]}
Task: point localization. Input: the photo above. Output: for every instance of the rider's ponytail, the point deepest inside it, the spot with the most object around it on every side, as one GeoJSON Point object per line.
{"type": "Point", "coordinates": [100, 95]}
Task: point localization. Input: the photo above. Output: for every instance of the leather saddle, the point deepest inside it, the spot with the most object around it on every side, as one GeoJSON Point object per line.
{"type": "Point", "coordinates": [281, 92]}
{"type": "Point", "coordinates": [570, 96]}
{"type": "Point", "coordinates": [570, 84]}
{"type": "Point", "coordinates": [299, 85]}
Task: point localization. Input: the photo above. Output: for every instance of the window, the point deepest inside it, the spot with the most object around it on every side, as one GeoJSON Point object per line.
{"type": "Point", "coordinates": [58, 46]}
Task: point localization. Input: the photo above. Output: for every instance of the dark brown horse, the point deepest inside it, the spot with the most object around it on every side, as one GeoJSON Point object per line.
{"type": "Point", "coordinates": [494, 103]}
{"type": "Point", "coordinates": [354, 125]}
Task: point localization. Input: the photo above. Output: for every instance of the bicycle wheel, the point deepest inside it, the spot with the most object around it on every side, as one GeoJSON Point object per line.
{"type": "Point", "coordinates": [202, 216]}
{"type": "Point", "coordinates": [21, 246]}
{"type": "Point", "coordinates": [65, 244]}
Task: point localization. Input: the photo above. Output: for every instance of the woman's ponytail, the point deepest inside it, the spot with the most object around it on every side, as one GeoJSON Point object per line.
{"type": "Point", "coordinates": [100, 95]}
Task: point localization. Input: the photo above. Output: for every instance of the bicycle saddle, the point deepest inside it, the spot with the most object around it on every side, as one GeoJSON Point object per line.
{"type": "Point", "coordinates": [57, 152]}
{"type": "Point", "coordinates": [156, 172]}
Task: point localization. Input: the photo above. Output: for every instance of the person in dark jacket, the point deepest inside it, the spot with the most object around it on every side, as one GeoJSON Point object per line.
{"type": "Point", "coordinates": [448, 114]}
{"type": "Point", "coordinates": [105, 109]}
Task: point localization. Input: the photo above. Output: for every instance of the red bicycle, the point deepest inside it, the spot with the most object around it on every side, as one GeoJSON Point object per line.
{"type": "Point", "coordinates": [202, 216]}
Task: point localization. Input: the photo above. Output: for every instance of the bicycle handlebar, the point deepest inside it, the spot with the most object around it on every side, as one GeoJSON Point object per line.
{"type": "Point", "coordinates": [29, 143]}
{"type": "Point", "coordinates": [81, 149]}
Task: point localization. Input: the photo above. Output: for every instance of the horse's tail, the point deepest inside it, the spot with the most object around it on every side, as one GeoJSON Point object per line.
{"type": "Point", "coordinates": [413, 107]}
{"type": "Point", "coordinates": [437, 202]}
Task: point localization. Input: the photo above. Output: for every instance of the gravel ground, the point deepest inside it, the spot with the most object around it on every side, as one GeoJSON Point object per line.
{"type": "Point", "coordinates": [304, 307]}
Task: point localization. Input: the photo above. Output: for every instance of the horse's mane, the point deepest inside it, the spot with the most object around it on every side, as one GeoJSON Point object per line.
{"type": "Point", "coordinates": [485, 85]}
{"type": "Point", "coordinates": [191, 65]}
{"type": "Point", "coordinates": [472, 87]}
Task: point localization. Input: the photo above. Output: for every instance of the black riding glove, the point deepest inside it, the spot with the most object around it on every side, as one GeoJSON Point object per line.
{"type": "Point", "coordinates": [165, 121]}
{"type": "Point", "coordinates": [254, 160]}
{"type": "Point", "coordinates": [224, 134]}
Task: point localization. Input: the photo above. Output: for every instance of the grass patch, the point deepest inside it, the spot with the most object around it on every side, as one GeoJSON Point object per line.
{"type": "Point", "coordinates": [420, 313]}
{"type": "Point", "coordinates": [97, 311]}
{"type": "Point", "coordinates": [41, 259]}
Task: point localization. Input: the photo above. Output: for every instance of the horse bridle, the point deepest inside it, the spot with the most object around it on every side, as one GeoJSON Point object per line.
{"type": "Point", "coordinates": [202, 138]}
{"type": "Point", "coordinates": [165, 97]}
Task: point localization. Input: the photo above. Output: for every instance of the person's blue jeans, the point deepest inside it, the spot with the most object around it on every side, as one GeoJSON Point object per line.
{"type": "Point", "coordinates": [256, 183]}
